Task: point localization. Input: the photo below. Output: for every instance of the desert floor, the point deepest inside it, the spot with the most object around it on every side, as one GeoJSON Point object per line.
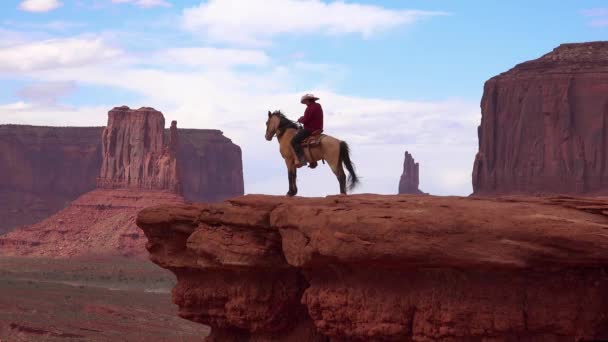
{"type": "Point", "coordinates": [93, 299]}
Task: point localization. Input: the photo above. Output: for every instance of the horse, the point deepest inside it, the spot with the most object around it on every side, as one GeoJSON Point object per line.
{"type": "Point", "coordinates": [330, 149]}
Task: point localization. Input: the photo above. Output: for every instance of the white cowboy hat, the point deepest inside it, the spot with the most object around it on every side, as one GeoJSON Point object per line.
{"type": "Point", "coordinates": [308, 97]}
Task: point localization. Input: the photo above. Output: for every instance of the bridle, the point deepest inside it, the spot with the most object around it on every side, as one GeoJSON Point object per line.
{"type": "Point", "coordinates": [280, 131]}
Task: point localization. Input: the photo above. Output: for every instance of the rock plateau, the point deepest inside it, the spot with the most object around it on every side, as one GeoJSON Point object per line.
{"type": "Point", "coordinates": [387, 268]}
{"type": "Point", "coordinates": [139, 168]}
{"type": "Point", "coordinates": [43, 169]}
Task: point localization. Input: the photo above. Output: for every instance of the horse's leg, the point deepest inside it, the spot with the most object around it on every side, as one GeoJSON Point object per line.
{"type": "Point", "coordinates": [338, 170]}
{"type": "Point", "coordinates": [289, 192]}
{"type": "Point", "coordinates": [294, 176]}
{"type": "Point", "coordinates": [291, 175]}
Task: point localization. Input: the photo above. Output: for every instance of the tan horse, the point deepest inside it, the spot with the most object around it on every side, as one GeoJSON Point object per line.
{"type": "Point", "coordinates": [330, 149]}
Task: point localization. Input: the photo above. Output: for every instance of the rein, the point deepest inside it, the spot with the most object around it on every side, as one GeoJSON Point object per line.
{"type": "Point", "coordinates": [284, 125]}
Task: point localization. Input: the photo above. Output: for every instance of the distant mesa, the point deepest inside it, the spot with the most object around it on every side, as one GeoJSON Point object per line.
{"type": "Point", "coordinates": [544, 126]}
{"type": "Point", "coordinates": [135, 164]}
{"type": "Point", "coordinates": [410, 178]}
{"type": "Point", "coordinates": [45, 168]}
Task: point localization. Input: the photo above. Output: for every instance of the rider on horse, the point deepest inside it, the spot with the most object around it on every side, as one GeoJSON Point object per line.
{"type": "Point", "coordinates": [313, 123]}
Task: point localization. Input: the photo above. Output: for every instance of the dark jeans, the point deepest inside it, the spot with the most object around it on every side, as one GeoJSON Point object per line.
{"type": "Point", "coordinates": [297, 141]}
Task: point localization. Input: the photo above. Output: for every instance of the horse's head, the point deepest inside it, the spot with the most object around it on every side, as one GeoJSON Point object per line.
{"type": "Point", "coordinates": [272, 124]}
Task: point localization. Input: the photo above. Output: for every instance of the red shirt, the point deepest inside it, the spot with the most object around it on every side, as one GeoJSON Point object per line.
{"type": "Point", "coordinates": [313, 118]}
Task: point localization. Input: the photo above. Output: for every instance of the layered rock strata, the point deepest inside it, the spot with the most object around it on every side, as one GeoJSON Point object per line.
{"type": "Point", "coordinates": [100, 222]}
{"type": "Point", "coordinates": [544, 125]}
{"type": "Point", "coordinates": [135, 153]}
{"type": "Point", "coordinates": [387, 268]}
{"type": "Point", "coordinates": [43, 169]}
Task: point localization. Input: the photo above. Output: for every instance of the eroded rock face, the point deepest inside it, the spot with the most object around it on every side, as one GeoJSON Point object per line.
{"type": "Point", "coordinates": [387, 268]}
{"type": "Point", "coordinates": [139, 169]}
{"type": "Point", "coordinates": [410, 179]}
{"type": "Point", "coordinates": [45, 168]}
{"type": "Point", "coordinates": [135, 154]}
{"type": "Point", "coordinates": [211, 166]}
{"type": "Point", "coordinates": [231, 272]}
{"type": "Point", "coordinates": [543, 127]}
{"type": "Point", "coordinates": [42, 169]}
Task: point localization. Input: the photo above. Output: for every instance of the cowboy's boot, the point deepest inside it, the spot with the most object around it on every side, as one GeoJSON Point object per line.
{"type": "Point", "coordinates": [301, 161]}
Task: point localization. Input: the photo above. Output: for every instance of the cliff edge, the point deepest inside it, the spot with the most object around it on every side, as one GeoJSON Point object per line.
{"type": "Point", "coordinates": [387, 268]}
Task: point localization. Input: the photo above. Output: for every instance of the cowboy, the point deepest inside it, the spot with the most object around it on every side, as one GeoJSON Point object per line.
{"type": "Point", "coordinates": [313, 123]}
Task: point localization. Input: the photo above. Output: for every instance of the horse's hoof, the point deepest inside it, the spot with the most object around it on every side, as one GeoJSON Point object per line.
{"type": "Point", "coordinates": [290, 194]}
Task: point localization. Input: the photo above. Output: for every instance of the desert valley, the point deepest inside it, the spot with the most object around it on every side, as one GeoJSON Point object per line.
{"type": "Point", "coordinates": [303, 171]}
{"type": "Point", "coordinates": [524, 258]}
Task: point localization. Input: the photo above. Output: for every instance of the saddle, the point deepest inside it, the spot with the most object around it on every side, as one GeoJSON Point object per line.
{"type": "Point", "coordinates": [313, 140]}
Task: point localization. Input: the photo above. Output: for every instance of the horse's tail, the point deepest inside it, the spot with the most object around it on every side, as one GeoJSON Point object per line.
{"type": "Point", "coordinates": [353, 180]}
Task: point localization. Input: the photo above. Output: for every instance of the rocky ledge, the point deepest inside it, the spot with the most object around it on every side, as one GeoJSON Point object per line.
{"type": "Point", "coordinates": [387, 268]}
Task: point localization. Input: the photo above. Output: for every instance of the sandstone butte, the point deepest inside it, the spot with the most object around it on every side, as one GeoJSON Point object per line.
{"type": "Point", "coordinates": [544, 125]}
{"type": "Point", "coordinates": [410, 179]}
{"type": "Point", "coordinates": [136, 153]}
{"type": "Point", "coordinates": [140, 167]}
{"type": "Point", "coordinates": [43, 169]}
{"type": "Point", "coordinates": [387, 268]}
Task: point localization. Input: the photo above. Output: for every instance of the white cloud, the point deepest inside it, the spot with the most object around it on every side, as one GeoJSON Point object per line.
{"type": "Point", "coordinates": [214, 57]}
{"type": "Point", "coordinates": [46, 93]}
{"type": "Point", "coordinates": [24, 113]}
{"type": "Point", "coordinates": [257, 21]}
{"type": "Point", "coordinates": [441, 135]}
{"type": "Point", "coordinates": [599, 22]}
{"type": "Point", "coordinates": [39, 5]}
{"type": "Point", "coordinates": [12, 107]}
{"type": "Point", "coordinates": [144, 3]}
{"type": "Point", "coordinates": [599, 17]}
{"type": "Point", "coordinates": [596, 12]}
{"type": "Point", "coordinates": [56, 25]}
{"type": "Point", "coordinates": [56, 53]}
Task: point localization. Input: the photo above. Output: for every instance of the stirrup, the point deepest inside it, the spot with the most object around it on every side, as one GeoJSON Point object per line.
{"type": "Point", "coordinates": [298, 163]}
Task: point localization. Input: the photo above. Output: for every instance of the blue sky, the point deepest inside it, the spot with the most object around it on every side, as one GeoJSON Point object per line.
{"type": "Point", "coordinates": [393, 75]}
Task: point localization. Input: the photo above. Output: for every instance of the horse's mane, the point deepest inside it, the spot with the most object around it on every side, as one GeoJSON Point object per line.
{"type": "Point", "coordinates": [285, 122]}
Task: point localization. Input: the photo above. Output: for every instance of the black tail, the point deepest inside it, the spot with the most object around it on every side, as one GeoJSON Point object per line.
{"type": "Point", "coordinates": [353, 180]}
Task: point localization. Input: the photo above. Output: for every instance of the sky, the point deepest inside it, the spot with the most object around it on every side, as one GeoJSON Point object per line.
{"type": "Point", "coordinates": [392, 75]}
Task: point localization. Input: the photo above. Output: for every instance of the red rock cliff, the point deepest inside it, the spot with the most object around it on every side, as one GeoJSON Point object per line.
{"type": "Point", "coordinates": [135, 153]}
{"type": "Point", "coordinates": [410, 180]}
{"type": "Point", "coordinates": [387, 268]}
{"type": "Point", "coordinates": [544, 126]}
{"type": "Point", "coordinates": [42, 169]}
{"type": "Point", "coordinates": [211, 166]}
{"type": "Point", "coordinates": [139, 168]}
{"type": "Point", "coordinates": [100, 222]}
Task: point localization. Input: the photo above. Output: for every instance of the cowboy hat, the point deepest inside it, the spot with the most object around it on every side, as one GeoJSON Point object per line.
{"type": "Point", "coordinates": [308, 97]}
